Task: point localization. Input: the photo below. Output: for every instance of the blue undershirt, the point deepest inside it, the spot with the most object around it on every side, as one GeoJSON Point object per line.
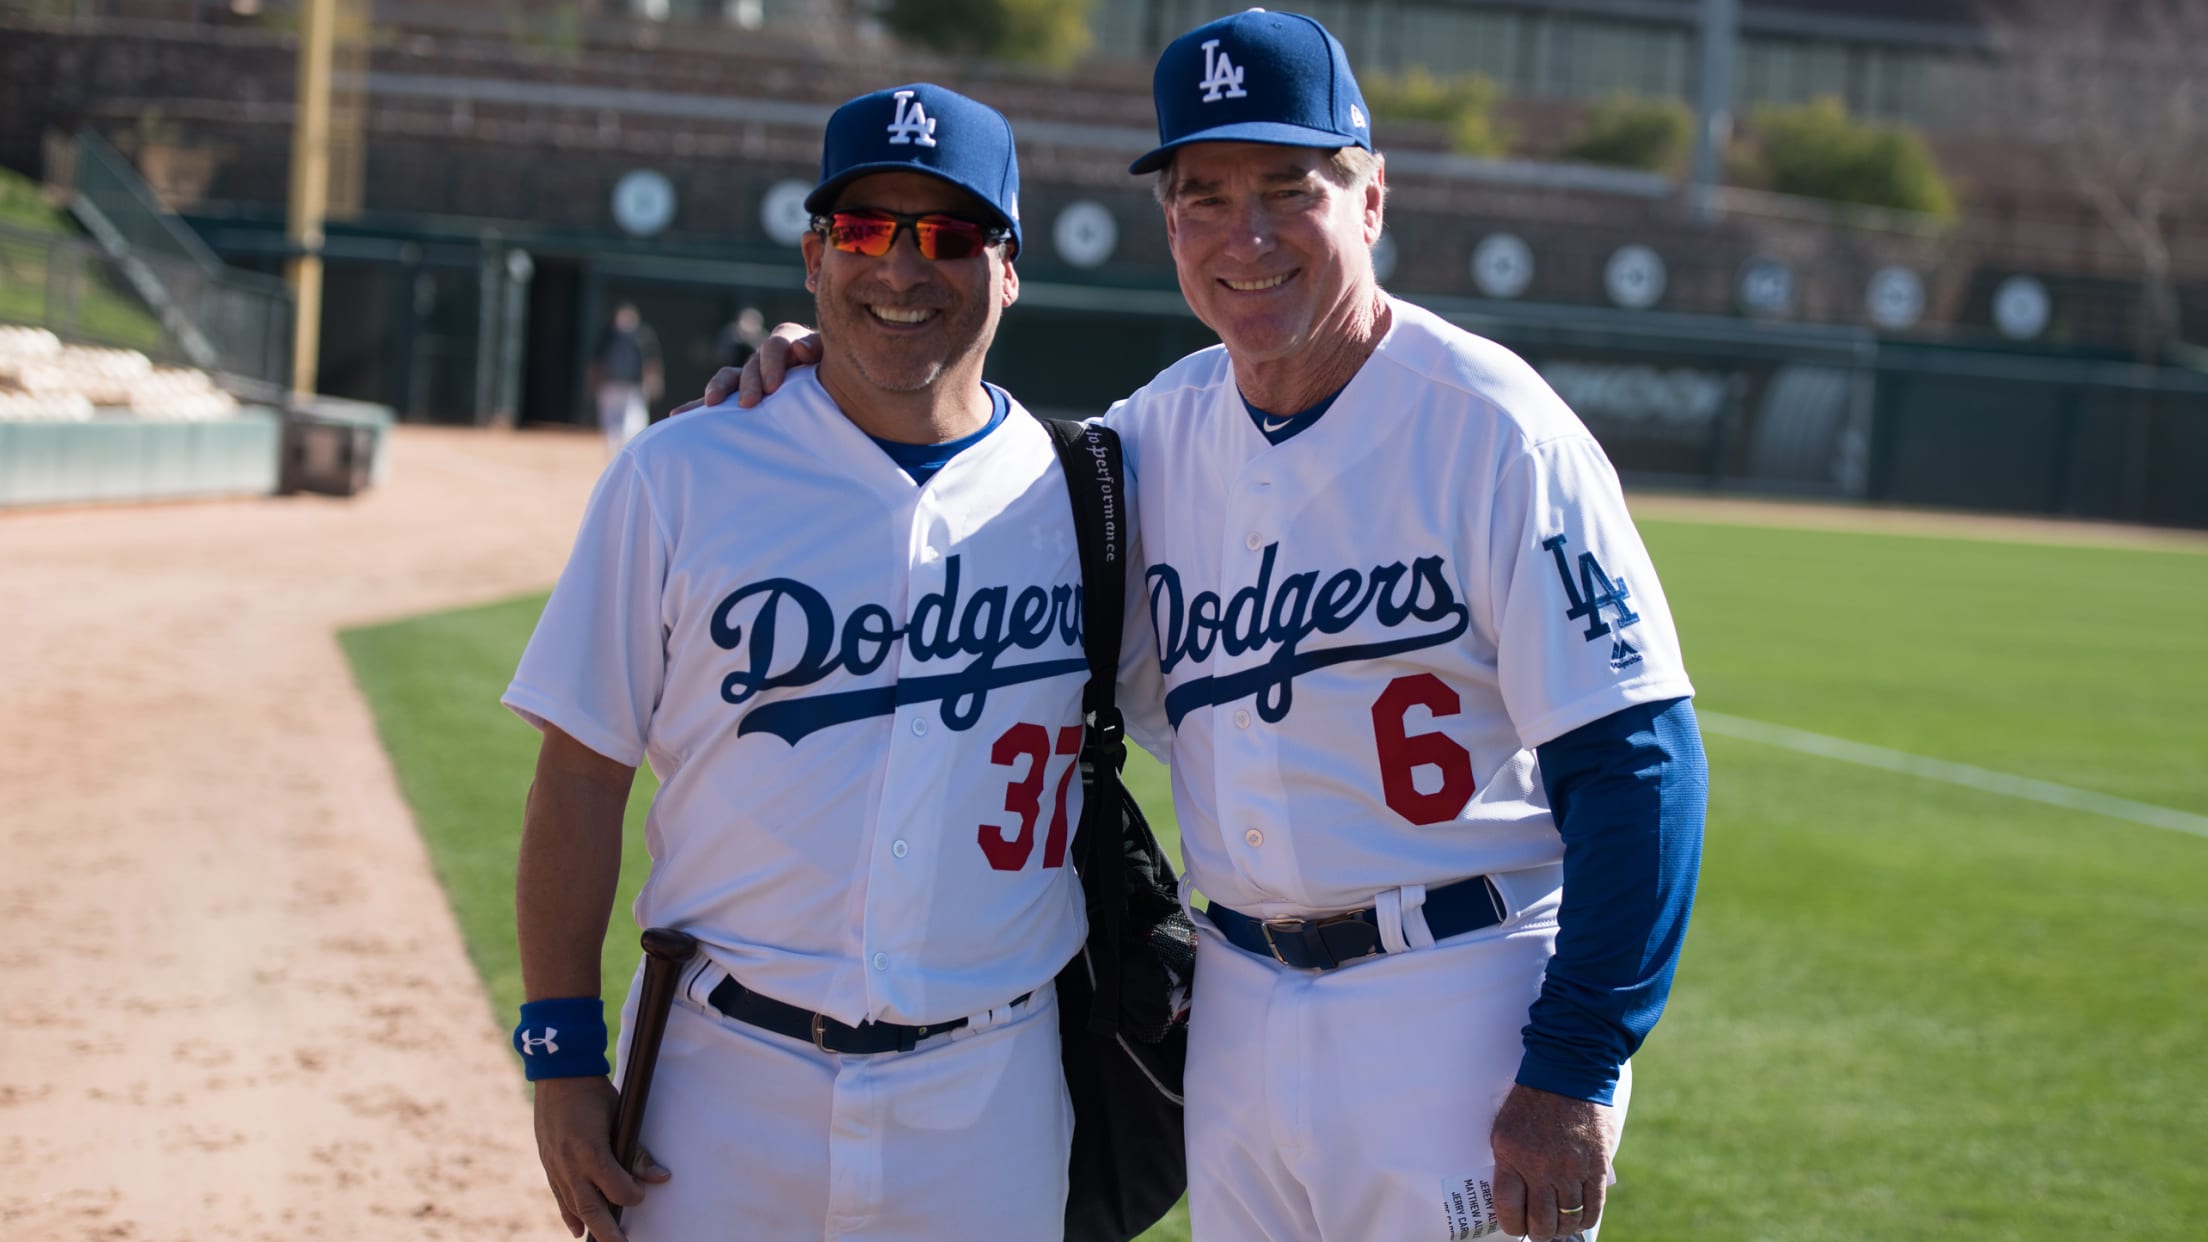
{"type": "Point", "coordinates": [921, 461]}
{"type": "Point", "coordinates": [1629, 792]}
{"type": "Point", "coordinates": [1277, 427]}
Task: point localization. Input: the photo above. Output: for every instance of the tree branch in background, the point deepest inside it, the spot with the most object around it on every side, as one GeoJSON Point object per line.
{"type": "Point", "coordinates": [2114, 92]}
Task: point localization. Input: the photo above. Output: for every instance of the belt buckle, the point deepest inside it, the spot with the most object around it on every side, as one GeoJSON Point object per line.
{"type": "Point", "coordinates": [1298, 926]}
{"type": "Point", "coordinates": [820, 1032]}
{"type": "Point", "coordinates": [1494, 894]}
{"type": "Point", "coordinates": [1313, 934]}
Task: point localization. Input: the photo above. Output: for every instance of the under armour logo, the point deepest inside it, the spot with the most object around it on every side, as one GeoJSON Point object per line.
{"type": "Point", "coordinates": [911, 124]}
{"type": "Point", "coordinates": [1219, 72]}
{"type": "Point", "coordinates": [530, 1043]}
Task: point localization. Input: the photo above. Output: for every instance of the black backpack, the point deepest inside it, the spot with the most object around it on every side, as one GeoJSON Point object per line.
{"type": "Point", "coordinates": [1123, 1000]}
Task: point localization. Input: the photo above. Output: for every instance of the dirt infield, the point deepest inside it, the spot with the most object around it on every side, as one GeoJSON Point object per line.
{"type": "Point", "coordinates": [240, 1005]}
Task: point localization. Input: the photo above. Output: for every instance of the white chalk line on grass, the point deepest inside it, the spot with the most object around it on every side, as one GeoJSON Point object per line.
{"type": "Point", "coordinates": [1963, 774]}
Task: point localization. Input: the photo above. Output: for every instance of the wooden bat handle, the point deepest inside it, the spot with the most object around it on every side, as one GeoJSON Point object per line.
{"type": "Point", "coordinates": [666, 952]}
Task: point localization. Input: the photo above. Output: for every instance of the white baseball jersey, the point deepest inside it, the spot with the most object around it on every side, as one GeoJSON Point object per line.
{"type": "Point", "coordinates": [1364, 631]}
{"type": "Point", "coordinates": [862, 698]}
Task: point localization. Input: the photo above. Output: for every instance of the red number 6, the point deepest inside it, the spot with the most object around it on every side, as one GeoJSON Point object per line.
{"type": "Point", "coordinates": [1401, 754]}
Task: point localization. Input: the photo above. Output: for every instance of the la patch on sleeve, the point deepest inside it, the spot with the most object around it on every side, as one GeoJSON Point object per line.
{"type": "Point", "coordinates": [1590, 593]}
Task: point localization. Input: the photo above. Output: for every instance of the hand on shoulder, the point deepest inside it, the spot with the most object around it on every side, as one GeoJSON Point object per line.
{"type": "Point", "coordinates": [791, 345]}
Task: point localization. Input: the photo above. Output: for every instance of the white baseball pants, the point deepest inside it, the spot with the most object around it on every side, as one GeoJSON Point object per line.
{"type": "Point", "coordinates": [1356, 1104]}
{"type": "Point", "coordinates": [771, 1140]}
{"type": "Point", "coordinates": [622, 412]}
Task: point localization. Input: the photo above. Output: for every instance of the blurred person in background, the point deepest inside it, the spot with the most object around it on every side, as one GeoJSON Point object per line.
{"type": "Point", "coordinates": [625, 375]}
{"type": "Point", "coordinates": [739, 338]}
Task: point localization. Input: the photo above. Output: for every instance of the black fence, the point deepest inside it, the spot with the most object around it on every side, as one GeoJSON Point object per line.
{"type": "Point", "coordinates": [1698, 402]}
{"type": "Point", "coordinates": [2090, 440]}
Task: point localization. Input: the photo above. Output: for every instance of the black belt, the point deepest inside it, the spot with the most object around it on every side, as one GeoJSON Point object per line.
{"type": "Point", "coordinates": [823, 1032]}
{"type": "Point", "coordinates": [1337, 939]}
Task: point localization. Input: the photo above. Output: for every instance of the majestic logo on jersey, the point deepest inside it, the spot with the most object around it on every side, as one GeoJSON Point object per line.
{"type": "Point", "coordinates": [530, 1043]}
{"type": "Point", "coordinates": [985, 626]}
{"type": "Point", "coordinates": [1220, 74]}
{"type": "Point", "coordinates": [1595, 591]}
{"type": "Point", "coordinates": [1263, 615]}
{"type": "Point", "coordinates": [911, 125]}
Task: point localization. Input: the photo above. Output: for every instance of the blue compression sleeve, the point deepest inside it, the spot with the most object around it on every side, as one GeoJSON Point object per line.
{"type": "Point", "coordinates": [1629, 792]}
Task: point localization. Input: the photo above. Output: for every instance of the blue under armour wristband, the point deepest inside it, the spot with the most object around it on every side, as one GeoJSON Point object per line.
{"type": "Point", "coordinates": [563, 1038]}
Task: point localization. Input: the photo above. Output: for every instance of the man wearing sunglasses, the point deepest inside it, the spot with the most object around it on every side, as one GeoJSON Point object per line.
{"type": "Point", "coordinates": [845, 632]}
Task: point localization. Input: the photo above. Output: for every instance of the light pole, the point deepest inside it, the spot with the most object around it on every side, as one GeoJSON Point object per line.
{"type": "Point", "coordinates": [1720, 37]}
{"type": "Point", "coordinates": [310, 188]}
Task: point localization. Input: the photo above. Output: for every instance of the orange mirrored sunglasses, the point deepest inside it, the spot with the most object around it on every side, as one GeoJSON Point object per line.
{"type": "Point", "coordinates": [940, 237]}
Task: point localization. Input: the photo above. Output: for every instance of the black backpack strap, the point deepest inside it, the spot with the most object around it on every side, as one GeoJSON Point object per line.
{"type": "Point", "coordinates": [1095, 479]}
{"type": "Point", "coordinates": [1089, 454]}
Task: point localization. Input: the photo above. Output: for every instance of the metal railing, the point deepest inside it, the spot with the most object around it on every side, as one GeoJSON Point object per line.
{"type": "Point", "coordinates": [74, 289]}
{"type": "Point", "coordinates": [219, 318]}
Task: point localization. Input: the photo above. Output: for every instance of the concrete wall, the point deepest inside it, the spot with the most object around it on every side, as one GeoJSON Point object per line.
{"type": "Point", "coordinates": [130, 460]}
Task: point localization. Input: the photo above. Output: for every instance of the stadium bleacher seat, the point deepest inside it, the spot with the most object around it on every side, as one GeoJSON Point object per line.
{"type": "Point", "coordinates": [44, 380]}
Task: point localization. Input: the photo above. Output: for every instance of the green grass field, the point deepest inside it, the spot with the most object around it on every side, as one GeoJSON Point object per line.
{"type": "Point", "coordinates": [1908, 1010]}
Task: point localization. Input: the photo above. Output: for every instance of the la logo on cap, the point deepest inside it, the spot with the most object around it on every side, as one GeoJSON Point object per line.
{"type": "Point", "coordinates": [911, 123]}
{"type": "Point", "coordinates": [1220, 72]}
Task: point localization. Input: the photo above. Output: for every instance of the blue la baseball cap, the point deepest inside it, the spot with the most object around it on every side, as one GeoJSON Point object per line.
{"type": "Point", "coordinates": [1257, 77]}
{"type": "Point", "coordinates": [923, 128]}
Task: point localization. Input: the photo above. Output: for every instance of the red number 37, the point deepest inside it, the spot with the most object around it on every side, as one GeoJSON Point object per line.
{"type": "Point", "coordinates": [1023, 796]}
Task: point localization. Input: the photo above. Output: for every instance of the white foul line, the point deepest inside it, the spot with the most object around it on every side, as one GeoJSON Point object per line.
{"type": "Point", "coordinates": [1953, 773]}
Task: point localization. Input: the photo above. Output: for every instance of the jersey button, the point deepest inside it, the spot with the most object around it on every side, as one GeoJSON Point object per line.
{"type": "Point", "coordinates": [897, 848]}
{"type": "Point", "coordinates": [1254, 541]}
{"type": "Point", "coordinates": [919, 726]}
{"type": "Point", "coordinates": [881, 961]}
{"type": "Point", "coordinates": [1241, 720]}
{"type": "Point", "coordinates": [1254, 837]}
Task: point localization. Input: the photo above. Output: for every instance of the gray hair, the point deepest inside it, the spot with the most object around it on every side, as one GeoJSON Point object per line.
{"type": "Point", "coordinates": [1348, 167]}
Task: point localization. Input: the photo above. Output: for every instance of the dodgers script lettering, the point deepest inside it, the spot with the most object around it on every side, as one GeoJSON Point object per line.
{"type": "Point", "coordinates": [1264, 615]}
{"type": "Point", "coordinates": [982, 627]}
